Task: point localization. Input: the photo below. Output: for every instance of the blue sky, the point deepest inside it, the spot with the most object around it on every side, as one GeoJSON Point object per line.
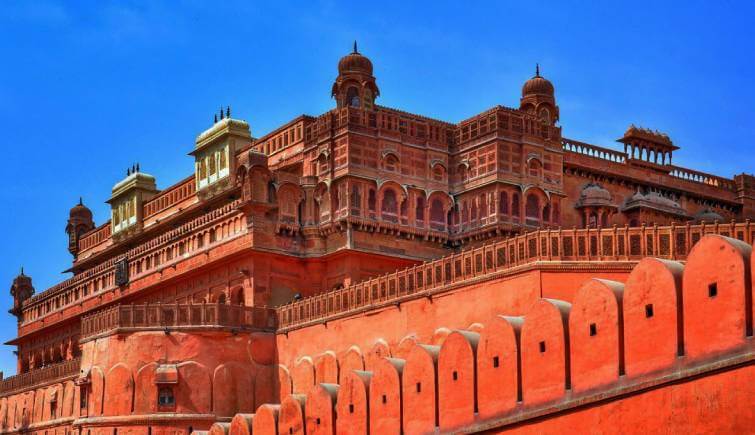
{"type": "Point", "coordinates": [88, 88]}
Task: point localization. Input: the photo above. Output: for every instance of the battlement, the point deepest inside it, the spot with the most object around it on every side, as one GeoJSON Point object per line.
{"type": "Point", "coordinates": [666, 330]}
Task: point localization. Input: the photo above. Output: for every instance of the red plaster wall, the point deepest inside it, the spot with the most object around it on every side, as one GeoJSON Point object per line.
{"type": "Point", "coordinates": [715, 324]}
{"type": "Point", "coordinates": [719, 403]}
{"type": "Point", "coordinates": [385, 396]}
{"type": "Point", "coordinates": [545, 340]}
{"type": "Point", "coordinates": [352, 406]}
{"type": "Point", "coordinates": [457, 380]}
{"type": "Point", "coordinates": [596, 336]}
{"type": "Point", "coordinates": [652, 316]}
{"type": "Point", "coordinates": [498, 362]}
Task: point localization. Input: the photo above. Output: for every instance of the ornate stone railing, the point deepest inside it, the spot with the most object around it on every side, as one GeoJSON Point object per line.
{"type": "Point", "coordinates": [40, 376]}
{"type": "Point", "coordinates": [702, 177]}
{"type": "Point", "coordinates": [610, 155]}
{"type": "Point", "coordinates": [95, 237]}
{"type": "Point", "coordinates": [606, 244]}
{"type": "Point", "coordinates": [593, 151]}
{"type": "Point", "coordinates": [170, 197]}
{"type": "Point", "coordinates": [176, 316]}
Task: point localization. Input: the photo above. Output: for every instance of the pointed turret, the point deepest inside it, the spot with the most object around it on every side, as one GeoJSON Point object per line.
{"type": "Point", "coordinates": [79, 222]}
{"type": "Point", "coordinates": [21, 290]}
{"type": "Point", "coordinates": [355, 85]}
{"type": "Point", "coordinates": [538, 98]}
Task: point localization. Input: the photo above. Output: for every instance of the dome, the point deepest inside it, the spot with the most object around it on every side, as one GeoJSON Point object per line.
{"type": "Point", "coordinates": [655, 201]}
{"type": "Point", "coordinates": [660, 200]}
{"type": "Point", "coordinates": [80, 210]}
{"type": "Point", "coordinates": [595, 195]}
{"type": "Point", "coordinates": [20, 280]}
{"type": "Point", "coordinates": [537, 85]}
{"type": "Point", "coordinates": [355, 62]}
{"type": "Point", "coordinates": [708, 215]}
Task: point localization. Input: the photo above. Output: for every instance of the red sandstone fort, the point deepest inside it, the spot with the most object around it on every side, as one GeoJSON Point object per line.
{"type": "Point", "coordinates": [370, 270]}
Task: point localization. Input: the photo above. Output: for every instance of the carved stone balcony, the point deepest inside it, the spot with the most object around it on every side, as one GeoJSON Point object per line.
{"type": "Point", "coordinates": [176, 317]}
{"type": "Point", "coordinates": [45, 375]}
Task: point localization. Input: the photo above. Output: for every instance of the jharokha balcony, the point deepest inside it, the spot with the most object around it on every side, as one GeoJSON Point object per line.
{"type": "Point", "coordinates": [183, 317]}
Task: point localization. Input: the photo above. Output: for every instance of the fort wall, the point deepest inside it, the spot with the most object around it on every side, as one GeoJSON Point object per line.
{"type": "Point", "coordinates": [532, 364]}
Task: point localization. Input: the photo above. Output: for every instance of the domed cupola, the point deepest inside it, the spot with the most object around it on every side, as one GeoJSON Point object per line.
{"type": "Point", "coordinates": [21, 290]}
{"type": "Point", "coordinates": [538, 98]}
{"type": "Point", "coordinates": [595, 195]}
{"type": "Point", "coordinates": [596, 204]}
{"type": "Point", "coordinates": [707, 215]}
{"type": "Point", "coordinates": [355, 62]}
{"type": "Point", "coordinates": [79, 222]}
{"type": "Point", "coordinates": [355, 85]}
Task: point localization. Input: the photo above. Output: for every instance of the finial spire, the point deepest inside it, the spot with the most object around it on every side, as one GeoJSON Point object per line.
{"type": "Point", "coordinates": [81, 201]}
{"type": "Point", "coordinates": [137, 166]}
{"type": "Point", "coordinates": [537, 70]}
{"type": "Point", "coordinates": [22, 270]}
{"type": "Point", "coordinates": [228, 112]}
{"type": "Point", "coordinates": [216, 118]}
{"type": "Point", "coordinates": [128, 171]}
{"type": "Point", "coordinates": [221, 113]}
{"type": "Point", "coordinates": [355, 46]}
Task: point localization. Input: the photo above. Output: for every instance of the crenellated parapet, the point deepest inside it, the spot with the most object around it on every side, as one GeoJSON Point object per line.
{"type": "Point", "coordinates": [665, 331]}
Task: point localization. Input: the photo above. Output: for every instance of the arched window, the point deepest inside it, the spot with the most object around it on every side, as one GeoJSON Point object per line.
{"type": "Point", "coordinates": [356, 199]}
{"type": "Point", "coordinates": [322, 165]}
{"type": "Point", "coordinates": [391, 163]}
{"type": "Point", "coordinates": [556, 216]}
{"type": "Point", "coordinates": [532, 207]}
{"type": "Point", "coordinates": [503, 204]}
{"type": "Point", "coordinates": [545, 115]}
{"type": "Point", "coordinates": [237, 297]}
{"type": "Point", "coordinates": [547, 213]}
{"type": "Point", "coordinates": [515, 204]}
{"type": "Point", "coordinates": [436, 211]}
{"type": "Point", "coordinates": [438, 172]}
{"type": "Point", "coordinates": [371, 200]}
{"type": "Point", "coordinates": [390, 205]}
{"type": "Point", "coordinates": [352, 97]}
{"type": "Point", "coordinates": [419, 210]}
{"type": "Point", "coordinates": [221, 298]}
{"type": "Point", "coordinates": [535, 168]}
